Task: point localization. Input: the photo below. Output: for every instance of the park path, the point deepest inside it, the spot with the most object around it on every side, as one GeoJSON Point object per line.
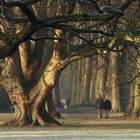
{"type": "Point", "coordinates": [77, 124]}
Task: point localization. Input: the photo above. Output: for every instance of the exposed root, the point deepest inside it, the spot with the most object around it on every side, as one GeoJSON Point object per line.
{"type": "Point", "coordinates": [51, 121]}
{"type": "Point", "coordinates": [12, 122]}
{"type": "Point", "coordinates": [38, 117]}
{"type": "Point", "coordinates": [55, 114]}
{"type": "Point", "coordinates": [15, 122]}
{"type": "Point", "coordinates": [47, 121]}
{"type": "Point", "coordinates": [54, 122]}
{"type": "Point", "coordinates": [43, 119]}
{"type": "Point", "coordinates": [39, 121]}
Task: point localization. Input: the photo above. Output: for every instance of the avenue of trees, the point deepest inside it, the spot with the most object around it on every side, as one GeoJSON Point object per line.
{"type": "Point", "coordinates": [40, 38]}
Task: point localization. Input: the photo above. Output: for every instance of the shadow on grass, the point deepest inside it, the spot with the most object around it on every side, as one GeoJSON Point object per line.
{"type": "Point", "coordinates": [103, 126]}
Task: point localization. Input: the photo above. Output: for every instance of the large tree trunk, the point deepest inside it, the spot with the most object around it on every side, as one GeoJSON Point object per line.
{"type": "Point", "coordinates": [44, 87]}
{"type": "Point", "coordinates": [124, 75]}
{"type": "Point", "coordinates": [134, 99]}
{"type": "Point", "coordinates": [31, 109]}
{"type": "Point", "coordinates": [15, 91]}
{"type": "Point", "coordinates": [115, 85]}
{"type": "Point", "coordinates": [112, 88]}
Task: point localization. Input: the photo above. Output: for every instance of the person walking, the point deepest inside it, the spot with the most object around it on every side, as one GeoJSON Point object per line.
{"type": "Point", "coordinates": [107, 106]}
{"type": "Point", "coordinates": [99, 106]}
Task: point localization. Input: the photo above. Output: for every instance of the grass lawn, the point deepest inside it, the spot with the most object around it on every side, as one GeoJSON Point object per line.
{"type": "Point", "coordinates": [85, 118]}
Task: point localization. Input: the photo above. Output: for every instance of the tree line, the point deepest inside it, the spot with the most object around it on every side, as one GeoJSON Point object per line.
{"type": "Point", "coordinates": [40, 38]}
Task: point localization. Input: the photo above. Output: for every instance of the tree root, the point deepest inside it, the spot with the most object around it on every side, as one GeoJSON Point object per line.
{"type": "Point", "coordinates": [12, 122]}
{"type": "Point", "coordinates": [55, 114]}
{"type": "Point", "coordinates": [51, 121]}
{"type": "Point", "coordinates": [38, 122]}
{"type": "Point", "coordinates": [39, 117]}
{"type": "Point", "coordinates": [43, 119]}
{"type": "Point", "coordinates": [48, 121]}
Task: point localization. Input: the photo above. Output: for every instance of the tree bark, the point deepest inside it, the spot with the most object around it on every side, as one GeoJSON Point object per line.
{"type": "Point", "coordinates": [134, 99]}
{"type": "Point", "coordinates": [100, 80]}
{"type": "Point", "coordinates": [56, 95]}
{"type": "Point", "coordinates": [112, 86]}
{"type": "Point", "coordinates": [93, 81]}
{"type": "Point", "coordinates": [11, 83]}
{"type": "Point", "coordinates": [74, 79]}
{"type": "Point", "coordinates": [31, 108]}
{"type": "Point", "coordinates": [43, 88]}
{"type": "Point", "coordinates": [88, 79]}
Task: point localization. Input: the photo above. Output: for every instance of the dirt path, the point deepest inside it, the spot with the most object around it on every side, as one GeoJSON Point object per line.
{"type": "Point", "coordinates": [88, 117]}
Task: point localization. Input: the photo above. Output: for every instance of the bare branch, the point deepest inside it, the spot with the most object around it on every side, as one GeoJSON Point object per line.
{"type": "Point", "coordinates": [82, 51]}
{"type": "Point", "coordinates": [68, 28]}
{"type": "Point", "coordinates": [27, 2]}
{"type": "Point", "coordinates": [94, 3]}
{"type": "Point", "coordinates": [45, 37]}
{"type": "Point", "coordinates": [130, 81]}
{"type": "Point", "coordinates": [71, 6]}
{"type": "Point", "coordinates": [12, 44]}
{"type": "Point", "coordinates": [111, 10]}
{"type": "Point", "coordinates": [3, 36]}
{"type": "Point", "coordinates": [15, 20]}
{"type": "Point", "coordinates": [123, 6]}
{"type": "Point", "coordinates": [23, 7]}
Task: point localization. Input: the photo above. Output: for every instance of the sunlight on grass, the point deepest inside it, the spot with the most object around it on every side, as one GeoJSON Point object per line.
{"type": "Point", "coordinates": [81, 122]}
{"type": "Point", "coordinates": [5, 116]}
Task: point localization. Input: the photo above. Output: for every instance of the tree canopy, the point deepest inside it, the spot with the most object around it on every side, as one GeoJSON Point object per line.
{"type": "Point", "coordinates": [98, 18]}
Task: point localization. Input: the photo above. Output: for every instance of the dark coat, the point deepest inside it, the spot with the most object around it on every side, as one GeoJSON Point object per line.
{"type": "Point", "coordinates": [107, 105]}
{"type": "Point", "coordinates": [99, 103]}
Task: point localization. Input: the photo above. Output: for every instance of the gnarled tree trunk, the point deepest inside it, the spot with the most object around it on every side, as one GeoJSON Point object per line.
{"type": "Point", "coordinates": [31, 108]}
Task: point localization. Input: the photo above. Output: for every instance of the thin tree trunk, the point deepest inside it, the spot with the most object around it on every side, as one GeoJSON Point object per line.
{"type": "Point", "coordinates": [89, 76]}
{"type": "Point", "coordinates": [74, 72]}
{"type": "Point", "coordinates": [51, 107]}
{"type": "Point", "coordinates": [82, 82]}
{"type": "Point", "coordinates": [136, 99]}
{"type": "Point", "coordinates": [56, 96]}
{"type": "Point", "coordinates": [130, 107]}
{"type": "Point", "coordinates": [93, 81]}
{"type": "Point", "coordinates": [100, 81]}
